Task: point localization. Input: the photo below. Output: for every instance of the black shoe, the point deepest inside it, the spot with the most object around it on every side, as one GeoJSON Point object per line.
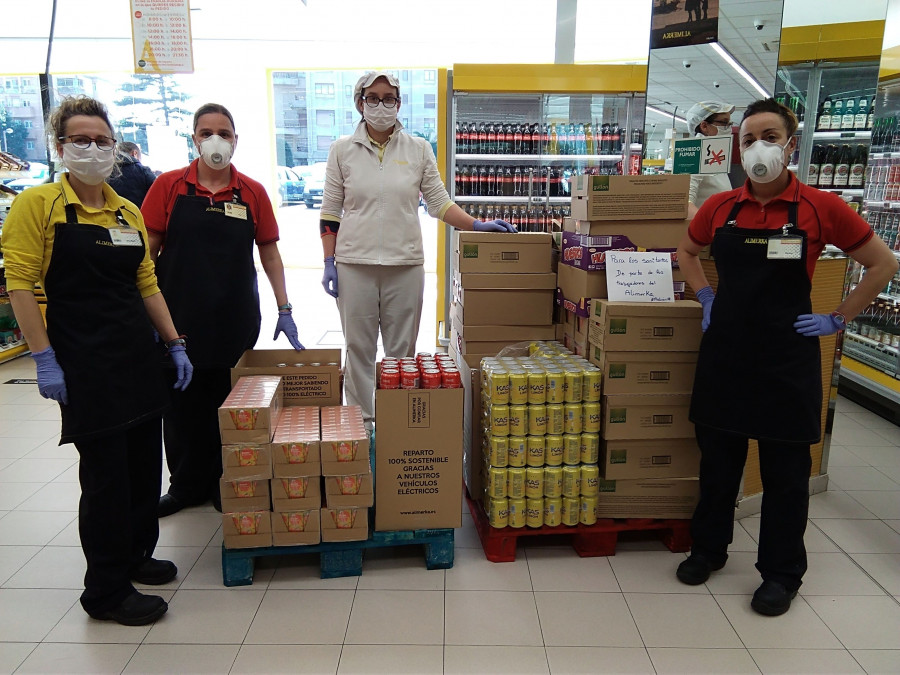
{"type": "Point", "coordinates": [136, 610]}
{"type": "Point", "coordinates": [696, 570]}
{"type": "Point", "coordinates": [772, 599]}
{"type": "Point", "coordinates": [153, 572]}
{"type": "Point", "coordinates": [168, 505]}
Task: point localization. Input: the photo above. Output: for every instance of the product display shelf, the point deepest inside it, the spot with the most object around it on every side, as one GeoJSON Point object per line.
{"type": "Point", "coordinates": [12, 343]}
{"type": "Point", "coordinates": [342, 559]}
{"type": "Point", "coordinates": [588, 541]}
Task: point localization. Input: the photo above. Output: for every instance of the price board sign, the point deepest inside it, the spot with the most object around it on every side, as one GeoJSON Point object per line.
{"type": "Point", "coordinates": [161, 36]}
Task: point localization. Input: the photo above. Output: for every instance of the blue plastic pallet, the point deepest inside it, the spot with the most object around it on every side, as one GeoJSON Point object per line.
{"type": "Point", "coordinates": [341, 559]}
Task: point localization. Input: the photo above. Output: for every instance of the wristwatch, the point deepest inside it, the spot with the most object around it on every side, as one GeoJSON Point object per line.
{"type": "Point", "coordinates": [286, 307]}
{"type": "Point", "coordinates": [840, 317]}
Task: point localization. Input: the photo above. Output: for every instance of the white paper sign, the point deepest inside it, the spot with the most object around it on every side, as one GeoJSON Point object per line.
{"type": "Point", "coordinates": [161, 36]}
{"type": "Point", "coordinates": [639, 276]}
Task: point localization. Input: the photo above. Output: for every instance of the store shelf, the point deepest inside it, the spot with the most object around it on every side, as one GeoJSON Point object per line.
{"type": "Point", "coordinates": [511, 200]}
{"type": "Point", "coordinates": [836, 135]}
{"type": "Point", "coordinates": [853, 192]}
{"type": "Point", "coordinates": [8, 352]}
{"type": "Point", "coordinates": [538, 158]}
{"type": "Point", "coordinates": [870, 387]}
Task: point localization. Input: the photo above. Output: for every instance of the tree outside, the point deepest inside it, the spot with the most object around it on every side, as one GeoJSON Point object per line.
{"type": "Point", "coordinates": [15, 140]}
{"type": "Point", "coordinates": [151, 100]}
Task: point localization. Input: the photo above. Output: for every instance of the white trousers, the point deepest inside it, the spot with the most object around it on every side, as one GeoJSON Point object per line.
{"type": "Point", "coordinates": [373, 297]}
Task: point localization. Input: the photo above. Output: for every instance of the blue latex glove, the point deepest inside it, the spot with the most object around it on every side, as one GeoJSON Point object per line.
{"type": "Point", "coordinates": [329, 279]}
{"type": "Point", "coordinates": [706, 295]}
{"type": "Point", "coordinates": [51, 381]}
{"type": "Point", "coordinates": [493, 226]}
{"type": "Point", "coordinates": [183, 366]}
{"type": "Point", "coordinates": [287, 326]}
{"type": "Point", "coordinates": [814, 325]}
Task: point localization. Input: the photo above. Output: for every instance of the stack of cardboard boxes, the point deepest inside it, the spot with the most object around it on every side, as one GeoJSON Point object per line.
{"type": "Point", "coordinates": [503, 290]}
{"type": "Point", "coordinates": [347, 474]}
{"type": "Point", "coordinates": [296, 494]}
{"type": "Point", "coordinates": [649, 457]}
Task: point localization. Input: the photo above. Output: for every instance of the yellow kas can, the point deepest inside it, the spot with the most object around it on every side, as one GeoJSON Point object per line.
{"type": "Point", "coordinates": [537, 419]}
{"type": "Point", "coordinates": [554, 448]}
{"type": "Point", "coordinates": [553, 481]}
{"type": "Point", "coordinates": [556, 418]}
{"type": "Point", "coordinates": [590, 448]}
{"type": "Point", "coordinates": [515, 483]}
{"type": "Point", "coordinates": [536, 449]}
{"type": "Point", "coordinates": [518, 420]}
{"type": "Point", "coordinates": [497, 483]}
{"type": "Point", "coordinates": [571, 510]}
{"type": "Point", "coordinates": [498, 512]}
{"type": "Point", "coordinates": [590, 418]}
{"type": "Point", "coordinates": [537, 383]}
{"type": "Point", "coordinates": [592, 385]}
{"type": "Point", "coordinates": [534, 512]}
{"type": "Point", "coordinates": [571, 448]}
{"type": "Point", "coordinates": [534, 482]}
{"type": "Point", "coordinates": [516, 451]}
{"type": "Point", "coordinates": [590, 480]}
{"type": "Point", "coordinates": [574, 380]}
{"type": "Point", "coordinates": [518, 387]}
{"type": "Point", "coordinates": [499, 420]}
{"type": "Point", "coordinates": [498, 385]}
{"type": "Point", "coordinates": [556, 386]}
{"type": "Point", "coordinates": [552, 511]}
{"type": "Point", "coordinates": [517, 512]}
{"type": "Point", "coordinates": [573, 418]}
{"type": "Point", "coordinates": [571, 485]}
{"type": "Point", "coordinates": [498, 453]}
{"type": "Point", "coordinates": [588, 514]}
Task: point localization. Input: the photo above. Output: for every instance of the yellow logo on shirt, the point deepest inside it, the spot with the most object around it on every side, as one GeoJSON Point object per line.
{"type": "Point", "coordinates": [756, 240]}
{"type": "Point", "coordinates": [400, 161]}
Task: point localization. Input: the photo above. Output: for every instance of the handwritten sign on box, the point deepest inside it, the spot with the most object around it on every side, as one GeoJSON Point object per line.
{"type": "Point", "coordinates": [639, 276]}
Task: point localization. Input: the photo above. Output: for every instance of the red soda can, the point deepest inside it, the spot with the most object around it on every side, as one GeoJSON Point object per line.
{"type": "Point", "coordinates": [431, 378]}
{"type": "Point", "coordinates": [428, 364]}
{"type": "Point", "coordinates": [423, 355]}
{"type": "Point", "coordinates": [408, 361]}
{"type": "Point", "coordinates": [409, 377]}
{"type": "Point", "coordinates": [450, 378]}
{"type": "Point", "coordinates": [389, 361]}
{"type": "Point", "coordinates": [390, 378]}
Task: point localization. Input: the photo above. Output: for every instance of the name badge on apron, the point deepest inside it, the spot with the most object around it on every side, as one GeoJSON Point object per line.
{"type": "Point", "coordinates": [123, 237]}
{"type": "Point", "coordinates": [785, 246]}
{"type": "Point", "coordinates": [233, 210]}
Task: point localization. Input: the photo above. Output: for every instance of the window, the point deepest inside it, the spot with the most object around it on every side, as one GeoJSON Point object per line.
{"type": "Point", "coordinates": [430, 75]}
{"type": "Point", "coordinates": [348, 117]}
{"type": "Point", "coordinates": [324, 89]}
{"type": "Point", "coordinates": [324, 142]}
{"type": "Point", "coordinates": [429, 123]}
{"type": "Point", "coordinates": [26, 103]}
{"type": "Point", "coordinates": [430, 100]}
{"type": "Point", "coordinates": [404, 75]}
{"type": "Point", "coordinates": [27, 124]}
{"type": "Point", "coordinates": [29, 145]}
{"type": "Point", "coordinates": [348, 90]}
{"type": "Point", "coordinates": [405, 121]}
{"type": "Point", "coordinates": [325, 118]}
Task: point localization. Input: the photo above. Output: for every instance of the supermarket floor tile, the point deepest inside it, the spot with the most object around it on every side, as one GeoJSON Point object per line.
{"type": "Point", "coordinates": [548, 612]}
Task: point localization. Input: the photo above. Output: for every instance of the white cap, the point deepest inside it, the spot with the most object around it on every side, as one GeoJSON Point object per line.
{"type": "Point", "coordinates": [367, 80]}
{"type": "Point", "coordinates": [701, 111]}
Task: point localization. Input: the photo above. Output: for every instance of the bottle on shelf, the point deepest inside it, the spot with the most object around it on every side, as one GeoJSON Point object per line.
{"type": "Point", "coordinates": [837, 113]}
{"type": "Point", "coordinates": [553, 144]}
{"type": "Point", "coordinates": [870, 117]}
{"type": "Point", "coordinates": [842, 167]}
{"type": "Point", "coordinates": [815, 164]}
{"type": "Point", "coordinates": [588, 139]}
{"type": "Point", "coordinates": [824, 121]}
{"type": "Point", "coordinates": [492, 139]}
{"type": "Point", "coordinates": [826, 170]}
{"type": "Point", "coordinates": [858, 167]}
{"type": "Point", "coordinates": [849, 114]}
{"type": "Point", "coordinates": [862, 114]}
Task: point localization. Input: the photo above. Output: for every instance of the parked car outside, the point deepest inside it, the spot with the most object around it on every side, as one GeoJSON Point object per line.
{"type": "Point", "coordinates": [290, 186]}
{"type": "Point", "coordinates": [314, 178]}
{"type": "Point", "coordinates": [20, 184]}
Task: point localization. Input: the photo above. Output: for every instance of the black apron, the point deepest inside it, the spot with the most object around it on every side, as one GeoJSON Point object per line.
{"type": "Point", "coordinates": [100, 331]}
{"type": "Point", "coordinates": [756, 375]}
{"type": "Point", "coordinates": [208, 278]}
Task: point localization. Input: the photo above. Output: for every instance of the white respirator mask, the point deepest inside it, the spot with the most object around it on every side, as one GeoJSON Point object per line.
{"type": "Point", "coordinates": [90, 165]}
{"type": "Point", "coordinates": [216, 152]}
{"type": "Point", "coordinates": [763, 161]}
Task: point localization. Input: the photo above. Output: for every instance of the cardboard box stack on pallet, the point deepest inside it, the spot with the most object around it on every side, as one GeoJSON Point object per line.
{"type": "Point", "coordinates": [296, 469]}
{"type": "Point", "coordinates": [347, 471]}
{"type": "Point", "coordinates": [503, 290]}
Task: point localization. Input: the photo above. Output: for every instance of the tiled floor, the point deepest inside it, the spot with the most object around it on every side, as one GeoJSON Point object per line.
{"type": "Point", "coordinates": [548, 612]}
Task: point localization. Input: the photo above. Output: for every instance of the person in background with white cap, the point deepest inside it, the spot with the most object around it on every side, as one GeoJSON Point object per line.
{"type": "Point", "coordinates": [708, 118]}
{"type": "Point", "coordinates": [371, 235]}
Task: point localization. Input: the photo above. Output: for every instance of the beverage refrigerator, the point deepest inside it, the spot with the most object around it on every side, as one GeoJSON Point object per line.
{"type": "Point", "coordinates": [518, 134]}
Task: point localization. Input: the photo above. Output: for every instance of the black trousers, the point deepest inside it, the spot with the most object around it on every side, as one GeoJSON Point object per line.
{"type": "Point", "coordinates": [784, 469]}
{"type": "Point", "coordinates": [120, 476]}
{"type": "Point", "coordinates": [191, 433]}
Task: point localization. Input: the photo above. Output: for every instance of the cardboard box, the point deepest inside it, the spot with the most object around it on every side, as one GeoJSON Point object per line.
{"type": "Point", "coordinates": [358, 515]}
{"type": "Point", "coordinates": [648, 498]}
{"type": "Point", "coordinates": [480, 349]}
{"type": "Point", "coordinates": [630, 197]}
{"type": "Point", "coordinates": [577, 286]}
{"type": "Point", "coordinates": [311, 376]}
{"type": "Point", "coordinates": [247, 529]}
{"type": "Point", "coordinates": [661, 458]}
{"type": "Point", "coordinates": [494, 333]}
{"type": "Point", "coordinates": [666, 233]}
{"type": "Point", "coordinates": [418, 476]}
{"type": "Point", "coordinates": [645, 372]}
{"type": "Point", "coordinates": [295, 446]}
{"type": "Point", "coordinates": [249, 413]}
{"type": "Point", "coordinates": [472, 433]}
{"type": "Point", "coordinates": [497, 253]}
{"type": "Point", "coordinates": [247, 460]}
{"type": "Point", "coordinates": [629, 416]}
{"type": "Point", "coordinates": [505, 299]}
{"type": "Point", "coordinates": [645, 326]}
{"type": "Point", "coordinates": [345, 444]}
{"type": "Point", "coordinates": [283, 488]}
{"type": "Point", "coordinates": [589, 252]}
{"type": "Point", "coordinates": [335, 497]}
{"type": "Point", "coordinates": [244, 495]}
{"type": "Point", "coordinates": [471, 360]}
{"type": "Point", "coordinates": [309, 519]}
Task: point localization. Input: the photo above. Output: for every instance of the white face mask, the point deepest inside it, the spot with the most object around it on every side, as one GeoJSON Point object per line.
{"type": "Point", "coordinates": [379, 117]}
{"type": "Point", "coordinates": [90, 165]}
{"type": "Point", "coordinates": [722, 131]}
{"type": "Point", "coordinates": [763, 161]}
{"type": "Point", "coordinates": [216, 152]}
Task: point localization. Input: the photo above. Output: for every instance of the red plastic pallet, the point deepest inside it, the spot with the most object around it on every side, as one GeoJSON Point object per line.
{"type": "Point", "coordinates": [587, 540]}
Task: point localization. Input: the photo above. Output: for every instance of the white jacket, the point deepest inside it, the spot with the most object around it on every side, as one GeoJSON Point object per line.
{"type": "Point", "coordinates": [703, 186]}
{"type": "Point", "coordinates": [377, 203]}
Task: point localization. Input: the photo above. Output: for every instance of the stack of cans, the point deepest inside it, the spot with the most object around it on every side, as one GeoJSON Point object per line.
{"type": "Point", "coordinates": [424, 371]}
{"type": "Point", "coordinates": [541, 426]}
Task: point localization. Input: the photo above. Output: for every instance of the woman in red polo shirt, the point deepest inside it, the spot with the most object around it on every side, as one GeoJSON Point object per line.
{"type": "Point", "coordinates": [759, 368]}
{"type": "Point", "coordinates": [202, 222]}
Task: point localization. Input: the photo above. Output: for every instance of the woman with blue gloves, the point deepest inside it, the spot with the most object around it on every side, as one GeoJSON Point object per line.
{"type": "Point", "coordinates": [372, 183]}
{"type": "Point", "coordinates": [97, 356]}
{"type": "Point", "coordinates": [759, 368]}
{"type": "Point", "coordinates": [204, 221]}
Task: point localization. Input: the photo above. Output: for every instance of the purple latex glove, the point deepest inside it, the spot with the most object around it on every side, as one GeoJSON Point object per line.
{"type": "Point", "coordinates": [287, 326]}
{"type": "Point", "coordinates": [493, 226]}
{"type": "Point", "coordinates": [329, 279]}
{"type": "Point", "coordinates": [814, 325]}
{"type": "Point", "coordinates": [183, 366]}
{"type": "Point", "coordinates": [51, 381]}
{"type": "Point", "coordinates": [706, 295]}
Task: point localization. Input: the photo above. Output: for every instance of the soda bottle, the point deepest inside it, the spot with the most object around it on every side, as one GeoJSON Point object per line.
{"type": "Point", "coordinates": [605, 139]}
{"type": "Point", "coordinates": [815, 162]}
{"type": "Point", "coordinates": [826, 171]}
{"type": "Point", "coordinates": [837, 112]}
{"type": "Point", "coordinates": [544, 187]}
{"type": "Point", "coordinates": [858, 167]}
{"type": "Point", "coordinates": [615, 139]}
{"type": "Point", "coordinates": [517, 182]}
{"type": "Point", "coordinates": [482, 139]}
{"type": "Point", "coordinates": [492, 139]}
{"type": "Point", "coordinates": [573, 139]}
{"type": "Point", "coordinates": [849, 114]}
{"type": "Point", "coordinates": [824, 120]}
{"type": "Point", "coordinates": [842, 167]}
{"type": "Point", "coordinates": [491, 182]}
{"type": "Point", "coordinates": [588, 139]}
{"type": "Point", "coordinates": [862, 114]}
{"type": "Point", "coordinates": [526, 140]}
{"type": "Point", "coordinates": [537, 139]}
{"type": "Point", "coordinates": [553, 145]}
{"type": "Point", "coordinates": [504, 187]}
{"type": "Point", "coordinates": [870, 118]}
{"type": "Point", "coordinates": [457, 181]}
{"type": "Point", "coordinates": [482, 181]}
{"type": "Point", "coordinates": [459, 143]}
{"type": "Point", "coordinates": [637, 136]}
{"type": "Point", "coordinates": [580, 140]}
{"type": "Point", "coordinates": [517, 139]}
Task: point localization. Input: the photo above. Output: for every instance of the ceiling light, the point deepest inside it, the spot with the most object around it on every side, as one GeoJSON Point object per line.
{"type": "Point", "coordinates": [671, 116]}
{"type": "Point", "coordinates": [730, 60]}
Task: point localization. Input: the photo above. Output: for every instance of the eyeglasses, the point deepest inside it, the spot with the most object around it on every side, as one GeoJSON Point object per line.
{"type": "Point", "coordinates": [84, 142]}
{"type": "Point", "coordinates": [387, 101]}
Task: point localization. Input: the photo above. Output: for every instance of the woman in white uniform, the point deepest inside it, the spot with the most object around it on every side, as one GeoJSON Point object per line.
{"type": "Point", "coordinates": [708, 118]}
{"type": "Point", "coordinates": [371, 235]}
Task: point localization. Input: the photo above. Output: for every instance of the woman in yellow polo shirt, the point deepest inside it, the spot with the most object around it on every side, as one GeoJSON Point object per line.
{"type": "Point", "coordinates": [96, 356]}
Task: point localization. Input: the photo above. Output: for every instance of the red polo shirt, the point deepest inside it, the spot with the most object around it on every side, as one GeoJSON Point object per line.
{"type": "Point", "coordinates": [160, 200]}
{"type": "Point", "coordinates": [824, 217]}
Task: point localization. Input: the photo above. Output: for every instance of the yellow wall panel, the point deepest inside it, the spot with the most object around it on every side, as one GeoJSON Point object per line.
{"type": "Point", "coordinates": [549, 78]}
